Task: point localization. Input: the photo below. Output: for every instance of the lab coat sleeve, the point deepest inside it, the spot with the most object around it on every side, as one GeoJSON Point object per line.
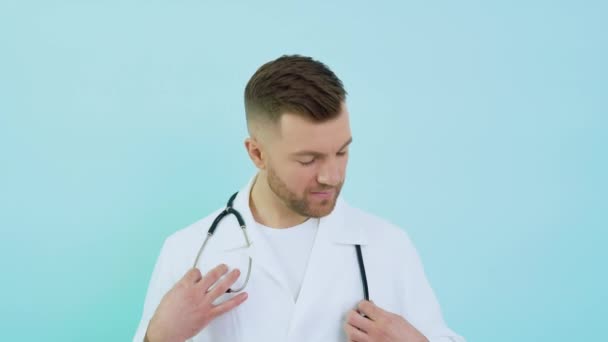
{"type": "Point", "coordinates": [421, 306]}
{"type": "Point", "coordinates": [161, 282]}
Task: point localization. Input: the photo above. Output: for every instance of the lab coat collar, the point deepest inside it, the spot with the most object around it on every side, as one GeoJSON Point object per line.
{"type": "Point", "coordinates": [337, 225]}
{"type": "Point", "coordinates": [334, 229]}
{"type": "Point", "coordinates": [329, 253]}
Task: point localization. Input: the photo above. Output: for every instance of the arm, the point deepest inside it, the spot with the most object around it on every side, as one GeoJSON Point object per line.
{"type": "Point", "coordinates": [161, 282]}
{"type": "Point", "coordinates": [421, 306]}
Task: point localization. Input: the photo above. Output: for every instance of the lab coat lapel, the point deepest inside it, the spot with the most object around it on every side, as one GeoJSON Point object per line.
{"type": "Point", "coordinates": [264, 257]}
{"type": "Point", "coordinates": [332, 250]}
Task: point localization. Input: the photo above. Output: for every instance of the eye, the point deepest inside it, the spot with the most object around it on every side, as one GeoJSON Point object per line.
{"type": "Point", "coordinates": [307, 162]}
{"type": "Point", "coordinates": [342, 153]}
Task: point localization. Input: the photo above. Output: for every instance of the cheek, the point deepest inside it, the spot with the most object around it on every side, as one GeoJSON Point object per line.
{"type": "Point", "coordinates": [301, 179]}
{"type": "Point", "coordinates": [343, 164]}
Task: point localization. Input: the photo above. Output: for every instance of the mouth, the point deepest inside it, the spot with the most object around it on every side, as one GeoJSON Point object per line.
{"type": "Point", "coordinates": [323, 194]}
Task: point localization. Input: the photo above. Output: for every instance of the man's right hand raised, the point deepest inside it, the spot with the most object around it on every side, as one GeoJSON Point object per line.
{"type": "Point", "coordinates": [188, 307]}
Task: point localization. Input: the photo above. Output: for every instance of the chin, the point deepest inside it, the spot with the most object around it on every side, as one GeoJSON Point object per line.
{"type": "Point", "coordinates": [324, 209]}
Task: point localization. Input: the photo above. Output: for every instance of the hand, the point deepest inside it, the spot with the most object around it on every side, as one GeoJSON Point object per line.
{"type": "Point", "coordinates": [188, 307]}
{"type": "Point", "coordinates": [379, 326]}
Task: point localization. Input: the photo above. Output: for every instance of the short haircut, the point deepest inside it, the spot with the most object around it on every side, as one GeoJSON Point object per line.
{"type": "Point", "coordinates": [295, 84]}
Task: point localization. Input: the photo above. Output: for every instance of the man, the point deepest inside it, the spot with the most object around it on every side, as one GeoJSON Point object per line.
{"type": "Point", "coordinates": [306, 282]}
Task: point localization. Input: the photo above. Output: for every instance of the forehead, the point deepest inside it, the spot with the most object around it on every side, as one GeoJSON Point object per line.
{"type": "Point", "coordinates": [298, 132]}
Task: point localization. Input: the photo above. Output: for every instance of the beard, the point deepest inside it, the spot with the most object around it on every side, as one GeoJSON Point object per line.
{"type": "Point", "coordinates": [302, 205]}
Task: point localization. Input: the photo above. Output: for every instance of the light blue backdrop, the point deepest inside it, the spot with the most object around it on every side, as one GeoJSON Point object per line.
{"type": "Point", "coordinates": [479, 127]}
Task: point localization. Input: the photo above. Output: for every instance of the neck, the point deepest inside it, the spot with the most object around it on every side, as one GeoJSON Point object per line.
{"type": "Point", "coordinates": [268, 209]}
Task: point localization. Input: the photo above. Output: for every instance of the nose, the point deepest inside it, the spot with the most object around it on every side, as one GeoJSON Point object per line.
{"type": "Point", "coordinates": [330, 173]}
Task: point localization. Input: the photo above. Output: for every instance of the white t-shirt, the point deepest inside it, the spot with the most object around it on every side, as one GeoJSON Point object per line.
{"type": "Point", "coordinates": [292, 247]}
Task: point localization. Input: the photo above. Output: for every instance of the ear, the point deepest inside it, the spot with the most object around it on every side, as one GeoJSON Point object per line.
{"type": "Point", "coordinates": [254, 149]}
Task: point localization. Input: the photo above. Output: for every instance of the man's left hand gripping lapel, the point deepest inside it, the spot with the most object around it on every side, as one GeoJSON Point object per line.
{"type": "Point", "coordinates": [379, 326]}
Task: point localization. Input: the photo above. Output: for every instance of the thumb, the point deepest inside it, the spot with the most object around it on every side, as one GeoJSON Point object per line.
{"type": "Point", "coordinates": [192, 276]}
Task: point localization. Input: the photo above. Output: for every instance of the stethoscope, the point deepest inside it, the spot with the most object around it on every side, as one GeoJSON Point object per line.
{"type": "Point", "coordinates": [231, 211]}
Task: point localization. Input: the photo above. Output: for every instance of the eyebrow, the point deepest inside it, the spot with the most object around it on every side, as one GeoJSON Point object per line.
{"type": "Point", "coordinates": [317, 154]}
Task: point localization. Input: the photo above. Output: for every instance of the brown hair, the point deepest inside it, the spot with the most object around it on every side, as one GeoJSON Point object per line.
{"type": "Point", "coordinates": [296, 84]}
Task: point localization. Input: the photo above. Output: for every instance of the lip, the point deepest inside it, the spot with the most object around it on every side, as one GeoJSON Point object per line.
{"type": "Point", "coordinates": [323, 194]}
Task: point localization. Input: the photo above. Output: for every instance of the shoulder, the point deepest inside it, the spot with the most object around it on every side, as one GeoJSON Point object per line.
{"type": "Point", "coordinates": [180, 247]}
{"type": "Point", "coordinates": [194, 229]}
{"type": "Point", "coordinates": [378, 230]}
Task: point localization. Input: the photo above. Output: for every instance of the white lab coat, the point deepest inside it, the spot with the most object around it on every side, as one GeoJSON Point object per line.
{"type": "Point", "coordinates": [331, 287]}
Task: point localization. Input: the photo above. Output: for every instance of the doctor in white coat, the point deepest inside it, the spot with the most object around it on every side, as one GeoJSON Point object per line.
{"type": "Point", "coordinates": [305, 282]}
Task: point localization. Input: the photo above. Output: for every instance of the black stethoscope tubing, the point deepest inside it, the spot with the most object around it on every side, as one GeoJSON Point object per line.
{"type": "Point", "coordinates": [230, 210]}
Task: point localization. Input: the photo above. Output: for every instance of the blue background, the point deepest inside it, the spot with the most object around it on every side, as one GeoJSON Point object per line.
{"type": "Point", "coordinates": [479, 127]}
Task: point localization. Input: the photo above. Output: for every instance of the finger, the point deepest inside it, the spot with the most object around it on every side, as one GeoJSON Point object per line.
{"type": "Point", "coordinates": [192, 276]}
{"type": "Point", "coordinates": [221, 287]}
{"type": "Point", "coordinates": [355, 319]}
{"type": "Point", "coordinates": [370, 310]}
{"type": "Point", "coordinates": [355, 334]}
{"type": "Point", "coordinates": [212, 276]}
{"type": "Point", "coordinates": [229, 304]}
